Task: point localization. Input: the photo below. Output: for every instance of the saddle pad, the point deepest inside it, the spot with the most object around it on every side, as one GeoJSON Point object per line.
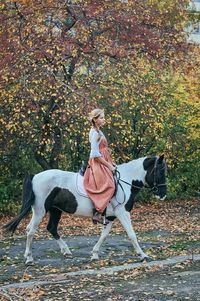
{"type": "Point", "coordinates": [79, 185]}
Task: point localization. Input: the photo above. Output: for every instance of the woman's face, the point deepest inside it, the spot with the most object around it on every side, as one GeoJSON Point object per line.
{"type": "Point", "coordinates": [100, 121]}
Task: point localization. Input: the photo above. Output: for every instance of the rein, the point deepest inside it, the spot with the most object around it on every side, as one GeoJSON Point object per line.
{"type": "Point", "coordinates": [120, 180]}
{"type": "Point", "coordinates": [155, 185]}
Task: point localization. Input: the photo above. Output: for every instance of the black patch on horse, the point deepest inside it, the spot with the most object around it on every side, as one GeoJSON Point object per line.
{"type": "Point", "coordinates": [111, 218]}
{"type": "Point", "coordinates": [155, 176]}
{"type": "Point", "coordinates": [54, 218]}
{"type": "Point", "coordinates": [135, 188]}
{"type": "Point", "coordinates": [148, 162]}
{"type": "Point", "coordinates": [62, 199]}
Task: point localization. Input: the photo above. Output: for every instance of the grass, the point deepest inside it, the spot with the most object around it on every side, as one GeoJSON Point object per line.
{"type": "Point", "coordinates": [185, 245]}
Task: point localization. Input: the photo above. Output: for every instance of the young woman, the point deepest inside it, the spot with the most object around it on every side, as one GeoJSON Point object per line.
{"type": "Point", "coordinates": [98, 179]}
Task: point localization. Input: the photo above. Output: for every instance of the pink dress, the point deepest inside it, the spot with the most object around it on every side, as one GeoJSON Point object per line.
{"type": "Point", "coordinates": [98, 179]}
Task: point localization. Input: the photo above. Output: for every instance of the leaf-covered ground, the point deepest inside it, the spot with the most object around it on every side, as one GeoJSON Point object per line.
{"type": "Point", "coordinates": [181, 216]}
{"type": "Point", "coordinates": [164, 230]}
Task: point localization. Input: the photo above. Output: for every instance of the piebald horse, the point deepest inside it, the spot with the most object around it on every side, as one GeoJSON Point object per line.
{"type": "Point", "coordinates": [55, 191]}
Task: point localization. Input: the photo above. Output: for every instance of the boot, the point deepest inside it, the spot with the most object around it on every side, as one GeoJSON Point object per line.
{"type": "Point", "coordinates": [98, 218]}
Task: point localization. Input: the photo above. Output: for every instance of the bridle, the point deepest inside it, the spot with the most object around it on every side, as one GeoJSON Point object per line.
{"type": "Point", "coordinates": [155, 186]}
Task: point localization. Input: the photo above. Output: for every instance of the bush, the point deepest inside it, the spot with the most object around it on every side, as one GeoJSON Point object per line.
{"type": "Point", "coordinates": [10, 196]}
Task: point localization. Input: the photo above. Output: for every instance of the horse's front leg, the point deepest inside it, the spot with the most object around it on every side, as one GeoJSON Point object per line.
{"type": "Point", "coordinates": [125, 220]}
{"type": "Point", "coordinates": [104, 234]}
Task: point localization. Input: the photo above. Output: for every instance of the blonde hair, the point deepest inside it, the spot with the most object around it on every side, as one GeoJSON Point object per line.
{"type": "Point", "coordinates": [95, 114]}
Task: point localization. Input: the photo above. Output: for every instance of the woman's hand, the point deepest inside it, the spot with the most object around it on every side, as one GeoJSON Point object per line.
{"type": "Point", "coordinates": [113, 168]}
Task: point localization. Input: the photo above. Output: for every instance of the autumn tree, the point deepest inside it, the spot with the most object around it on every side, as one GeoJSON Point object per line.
{"type": "Point", "coordinates": [53, 53]}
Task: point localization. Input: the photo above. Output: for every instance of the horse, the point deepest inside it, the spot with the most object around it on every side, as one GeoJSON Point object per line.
{"type": "Point", "coordinates": [55, 191]}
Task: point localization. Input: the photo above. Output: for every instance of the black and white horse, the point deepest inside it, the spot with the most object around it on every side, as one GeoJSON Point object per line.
{"type": "Point", "coordinates": [56, 191]}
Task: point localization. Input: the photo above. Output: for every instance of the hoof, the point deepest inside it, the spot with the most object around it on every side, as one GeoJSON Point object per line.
{"type": "Point", "coordinates": [146, 259]}
{"type": "Point", "coordinates": [95, 257]}
{"type": "Point", "coordinates": [67, 253]}
{"type": "Point", "coordinates": [29, 262]}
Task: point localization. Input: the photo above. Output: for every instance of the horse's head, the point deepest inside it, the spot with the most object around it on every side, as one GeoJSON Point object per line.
{"type": "Point", "coordinates": [155, 176]}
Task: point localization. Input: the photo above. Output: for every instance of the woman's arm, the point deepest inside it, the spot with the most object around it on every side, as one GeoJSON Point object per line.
{"type": "Point", "coordinates": [104, 162]}
{"type": "Point", "coordinates": [94, 140]}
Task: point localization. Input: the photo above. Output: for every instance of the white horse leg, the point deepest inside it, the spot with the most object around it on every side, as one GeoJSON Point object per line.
{"type": "Point", "coordinates": [124, 218]}
{"type": "Point", "coordinates": [105, 231]}
{"type": "Point", "coordinates": [63, 247]}
{"type": "Point", "coordinates": [31, 229]}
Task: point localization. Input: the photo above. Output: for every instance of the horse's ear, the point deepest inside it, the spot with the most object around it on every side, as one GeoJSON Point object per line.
{"type": "Point", "coordinates": [160, 159]}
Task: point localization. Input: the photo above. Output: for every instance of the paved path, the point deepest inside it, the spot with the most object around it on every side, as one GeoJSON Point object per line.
{"type": "Point", "coordinates": [173, 279]}
{"type": "Point", "coordinates": [64, 277]}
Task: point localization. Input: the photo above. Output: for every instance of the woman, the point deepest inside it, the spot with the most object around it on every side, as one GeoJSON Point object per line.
{"type": "Point", "coordinates": [98, 179]}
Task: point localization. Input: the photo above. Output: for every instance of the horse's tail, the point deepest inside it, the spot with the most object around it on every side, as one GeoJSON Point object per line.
{"type": "Point", "coordinates": [28, 201]}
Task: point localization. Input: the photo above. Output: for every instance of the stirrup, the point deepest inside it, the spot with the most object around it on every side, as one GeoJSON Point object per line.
{"type": "Point", "coordinates": [98, 218]}
{"type": "Point", "coordinates": [105, 221]}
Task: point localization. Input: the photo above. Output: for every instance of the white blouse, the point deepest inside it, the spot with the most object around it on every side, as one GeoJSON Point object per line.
{"type": "Point", "coordinates": [94, 138]}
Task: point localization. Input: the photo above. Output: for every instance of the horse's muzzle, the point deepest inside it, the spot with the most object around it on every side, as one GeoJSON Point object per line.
{"type": "Point", "coordinates": [161, 198]}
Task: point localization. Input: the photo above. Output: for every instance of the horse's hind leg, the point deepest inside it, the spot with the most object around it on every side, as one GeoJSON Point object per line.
{"type": "Point", "coordinates": [54, 218]}
{"type": "Point", "coordinates": [38, 214]}
{"type": "Point", "coordinates": [104, 234]}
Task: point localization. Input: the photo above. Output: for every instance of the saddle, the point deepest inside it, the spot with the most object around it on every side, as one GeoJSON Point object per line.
{"type": "Point", "coordinates": [83, 168]}
{"type": "Point", "coordinates": [79, 185]}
